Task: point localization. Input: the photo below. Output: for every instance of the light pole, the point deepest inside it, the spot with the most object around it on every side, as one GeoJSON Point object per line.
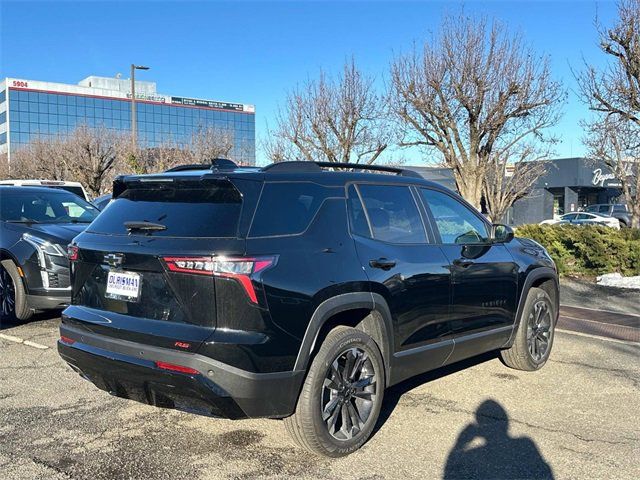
{"type": "Point", "coordinates": [134, 125]}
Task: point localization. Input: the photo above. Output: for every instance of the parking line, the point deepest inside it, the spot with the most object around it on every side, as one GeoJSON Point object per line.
{"type": "Point", "coordinates": [29, 343]}
{"type": "Point", "coordinates": [598, 337]}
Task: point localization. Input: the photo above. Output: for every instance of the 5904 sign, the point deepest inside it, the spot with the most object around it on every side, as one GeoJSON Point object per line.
{"type": "Point", "coordinates": [20, 83]}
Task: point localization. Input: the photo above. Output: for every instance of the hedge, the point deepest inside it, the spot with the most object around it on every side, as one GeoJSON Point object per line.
{"type": "Point", "coordinates": [588, 250]}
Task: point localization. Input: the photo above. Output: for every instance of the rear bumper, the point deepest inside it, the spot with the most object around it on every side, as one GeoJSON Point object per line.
{"type": "Point", "coordinates": [128, 369]}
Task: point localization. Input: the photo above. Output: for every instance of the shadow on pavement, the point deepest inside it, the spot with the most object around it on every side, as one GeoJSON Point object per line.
{"type": "Point", "coordinates": [392, 395]}
{"type": "Point", "coordinates": [485, 450]}
{"type": "Point", "coordinates": [6, 324]}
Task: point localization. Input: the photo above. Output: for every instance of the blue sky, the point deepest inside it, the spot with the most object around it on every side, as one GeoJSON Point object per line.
{"type": "Point", "coordinates": [253, 52]}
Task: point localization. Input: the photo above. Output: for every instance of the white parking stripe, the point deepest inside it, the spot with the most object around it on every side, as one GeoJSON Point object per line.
{"type": "Point", "coordinates": [10, 338]}
{"type": "Point", "coordinates": [35, 345]}
{"type": "Point", "coordinates": [598, 337]}
{"type": "Point", "coordinates": [29, 343]}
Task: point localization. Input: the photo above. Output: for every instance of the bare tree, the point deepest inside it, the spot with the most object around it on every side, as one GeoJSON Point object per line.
{"type": "Point", "coordinates": [41, 158]}
{"type": "Point", "coordinates": [509, 177]}
{"type": "Point", "coordinates": [204, 145]}
{"type": "Point", "coordinates": [90, 156]}
{"type": "Point", "coordinates": [613, 94]}
{"type": "Point", "coordinates": [332, 120]}
{"type": "Point", "coordinates": [474, 93]}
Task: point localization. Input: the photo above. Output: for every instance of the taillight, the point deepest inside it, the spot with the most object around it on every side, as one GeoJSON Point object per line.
{"type": "Point", "coordinates": [176, 368]}
{"type": "Point", "coordinates": [72, 252]}
{"type": "Point", "coordinates": [239, 268]}
{"type": "Point", "coordinates": [67, 340]}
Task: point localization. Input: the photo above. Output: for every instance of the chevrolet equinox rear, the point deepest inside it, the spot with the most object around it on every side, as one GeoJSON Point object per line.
{"type": "Point", "coordinates": [300, 291]}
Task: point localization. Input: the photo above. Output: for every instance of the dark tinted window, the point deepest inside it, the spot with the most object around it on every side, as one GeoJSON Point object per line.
{"type": "Point", "coordinates": [210, 210]}
{"type": "Point", "coordinates": [456, 223]}
{"type": "Point", "coordinates": [393, 214]}
{"type": "Point", "coordinates": [602, 209]}
{"type": "Point", "coordinates": [569, 216]}
{"type": "Point", "coordinates": [620, 208]}
{"type": "Point", "coordinates": [357, 217]}
{"type": "Point", "coordinates": [287, 208]}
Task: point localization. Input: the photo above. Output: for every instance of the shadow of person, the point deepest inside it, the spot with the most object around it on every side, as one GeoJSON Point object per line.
{"type": "Point", "coordinates": [484, 450]}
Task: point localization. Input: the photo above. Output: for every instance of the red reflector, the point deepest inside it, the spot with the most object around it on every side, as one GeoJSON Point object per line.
{"type": "Point", "coordinates": [176, 368]}
{"type": "Point", "coordinates": [72, 252]}
{"type": "Point", "coordinates": [67, 340]}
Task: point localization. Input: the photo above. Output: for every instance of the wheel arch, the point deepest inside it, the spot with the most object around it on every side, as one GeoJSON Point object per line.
{"type": "Point", "coordinates": [361, 310]}
{"type": "Point", "coordinates": [541, 277]}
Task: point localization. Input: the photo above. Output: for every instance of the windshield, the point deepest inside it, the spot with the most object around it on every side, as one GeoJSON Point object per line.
{"type": "Point", "coordinates": [55, 206]}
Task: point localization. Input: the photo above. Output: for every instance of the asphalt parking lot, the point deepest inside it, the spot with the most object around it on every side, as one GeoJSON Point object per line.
{"type": "Point", "coordinates": [579, 417]}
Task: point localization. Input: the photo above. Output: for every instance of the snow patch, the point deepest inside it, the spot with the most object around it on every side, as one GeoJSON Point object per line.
{"type": "Point", "coordinates": [617, 280]}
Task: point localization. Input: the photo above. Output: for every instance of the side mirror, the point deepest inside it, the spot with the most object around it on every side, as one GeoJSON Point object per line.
{"type": "Point", "coordinates": [501, 233]}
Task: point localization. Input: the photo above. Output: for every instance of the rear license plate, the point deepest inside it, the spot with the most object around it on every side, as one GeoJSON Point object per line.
{"type": "Point", "coordinates": [123, 286]}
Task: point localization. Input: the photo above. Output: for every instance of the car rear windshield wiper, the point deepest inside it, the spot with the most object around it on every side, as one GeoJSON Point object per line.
{"type": "Point", "coordinates": [144, 226]}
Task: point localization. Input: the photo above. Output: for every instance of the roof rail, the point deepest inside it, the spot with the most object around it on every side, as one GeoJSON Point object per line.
{"type": "Point", "coordinates": [216, 164]}
{"type": "Point", "coordinates": [301, 166]}
{"type": "Point", "coordinates": [183, 168]}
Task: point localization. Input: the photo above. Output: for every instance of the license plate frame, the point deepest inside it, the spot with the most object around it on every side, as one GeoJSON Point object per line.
{"type": "Point", "coordinates": [127, 289]}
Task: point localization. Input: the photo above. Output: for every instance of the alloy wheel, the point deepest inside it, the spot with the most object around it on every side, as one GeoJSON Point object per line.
{"type": "Point", "coordinates": [348, 393]}
{"type": "Point", "coordinates": [7, 294]}
{"type": "Point", "coordinates": [539, 330]}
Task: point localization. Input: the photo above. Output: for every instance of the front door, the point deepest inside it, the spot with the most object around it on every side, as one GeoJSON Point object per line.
{"type": "Point", "coordinates": [484, 275]}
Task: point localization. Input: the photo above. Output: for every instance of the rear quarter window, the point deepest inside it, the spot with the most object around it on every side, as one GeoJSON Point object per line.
{"type": "Point", "coordinates": [287, 208]}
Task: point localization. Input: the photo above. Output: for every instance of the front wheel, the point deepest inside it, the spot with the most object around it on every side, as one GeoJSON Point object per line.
{"type": "Point", "coordinates": [341, 396]}
{"type": "Point", "coordinates": [13, 299]}
{"type": "Point", "coordinates": [534, 338]}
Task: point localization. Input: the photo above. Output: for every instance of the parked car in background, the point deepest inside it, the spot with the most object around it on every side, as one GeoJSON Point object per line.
{"type": "Point", "coordinates": [73, 187]}
{"type": "Point", "coordinates": [36, 225]}
{"type": "Point", "coordinates": [615, 210]}
{"type": "Point", "coordinates": [297, 291]}
{"type": "Point", "coordinates": [102, 201]}
{"type": "Point", "coordinates": [584, 218]}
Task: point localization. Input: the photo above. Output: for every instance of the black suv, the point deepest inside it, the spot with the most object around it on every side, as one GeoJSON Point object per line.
{"type": "Point", "coordinates": [36, 225]}
{"type": "Point", "coordinates": [299, 290]}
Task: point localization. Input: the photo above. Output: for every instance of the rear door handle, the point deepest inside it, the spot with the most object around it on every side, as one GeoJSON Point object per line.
{"type": "Point", "coordinates": [459, 262]}
{"type": "Point", "coordinates": [382, 263]}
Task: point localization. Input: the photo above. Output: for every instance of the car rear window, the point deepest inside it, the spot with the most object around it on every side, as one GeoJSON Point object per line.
{"type": "Point", "coordinates": [202, 211]}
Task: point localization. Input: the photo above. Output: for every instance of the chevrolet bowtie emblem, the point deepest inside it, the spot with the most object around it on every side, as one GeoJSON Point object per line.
{"type": "Point", "coordinates": [114, 259]}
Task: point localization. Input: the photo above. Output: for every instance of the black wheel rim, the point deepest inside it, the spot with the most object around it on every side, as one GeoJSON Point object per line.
{"type": "Point", "coordinates": [539, 330]}
{"type": "Point", "coordinates": [348, 394]}
{"type": "Point", "coordinates": [7, 294]}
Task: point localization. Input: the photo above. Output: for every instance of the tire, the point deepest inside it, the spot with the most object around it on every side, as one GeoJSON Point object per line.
{"type": "Point", "coordinates": [534, 338]}
{"type": "Point", "coordinates": [13, 298]}
{"type": "Point", "coordinates": [325, 390]}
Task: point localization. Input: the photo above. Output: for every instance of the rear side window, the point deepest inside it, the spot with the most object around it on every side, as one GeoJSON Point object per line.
{"type": "Point", "coordinates": [287, 208]}
{"type": "Point", "coordinates": [206, 210]}
{"type": "Point", "coordinates": [603, 209]}
{"type": "Point", "coordinates": [620, 208]}
{"type": "Point", "coordinates": [392, 214]}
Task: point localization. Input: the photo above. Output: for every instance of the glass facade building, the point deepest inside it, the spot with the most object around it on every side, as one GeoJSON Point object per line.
{"type": "Point", "coordinates": [30, 109]}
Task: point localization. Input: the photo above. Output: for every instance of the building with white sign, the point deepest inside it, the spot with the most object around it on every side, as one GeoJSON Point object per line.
{"type": "Point", "coordinates": [568, 185]}
{"type": "Point", "coordinates": [30, 109]}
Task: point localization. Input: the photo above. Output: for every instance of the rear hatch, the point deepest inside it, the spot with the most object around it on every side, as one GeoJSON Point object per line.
{"type": "Point", "coordinates": [147, 259]}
